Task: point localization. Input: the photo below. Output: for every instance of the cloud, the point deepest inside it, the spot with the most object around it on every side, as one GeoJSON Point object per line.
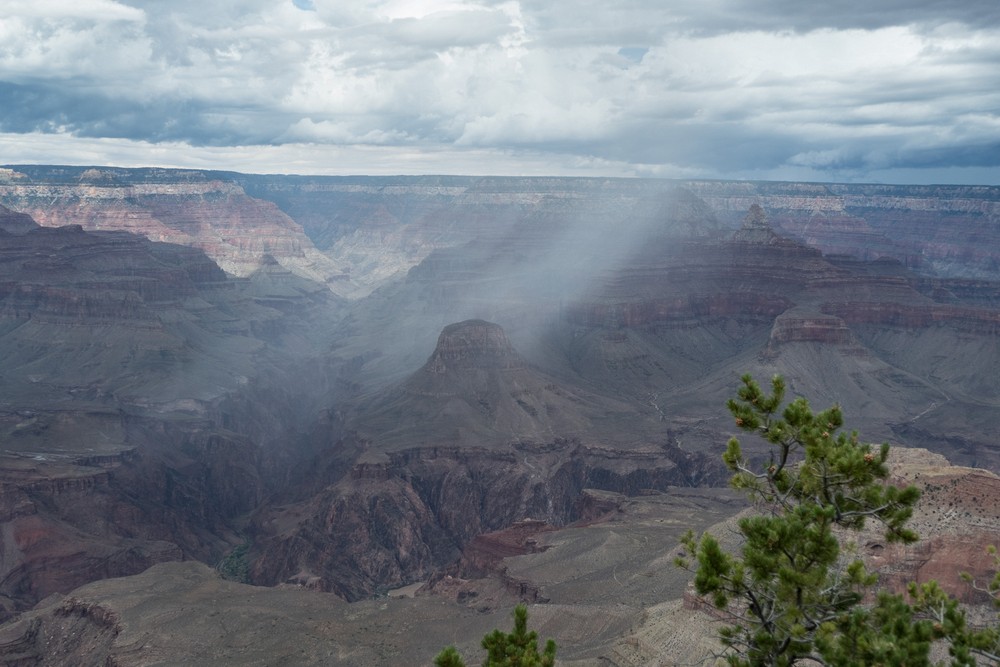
{"type": "Point", "coordinates": [441, 31]}
{"type": "Point", "coordinates": [778, 15]}
{"type": "Point", "coordinates": [719, 87]}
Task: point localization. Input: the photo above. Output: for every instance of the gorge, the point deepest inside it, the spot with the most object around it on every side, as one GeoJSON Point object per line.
{"type": "Point", "coordinates": [507, 388]}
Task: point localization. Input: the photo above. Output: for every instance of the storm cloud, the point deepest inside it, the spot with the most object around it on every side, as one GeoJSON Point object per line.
{"type": "Point", "coordinates": [843, 90]}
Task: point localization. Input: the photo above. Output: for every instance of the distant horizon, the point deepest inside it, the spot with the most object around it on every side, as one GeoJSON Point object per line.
{"type": "Point", "coordinates": [16, 166]}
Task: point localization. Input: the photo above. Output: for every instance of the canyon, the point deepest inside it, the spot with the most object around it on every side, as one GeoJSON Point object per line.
{"type": "Point", "coordinates": [500, 388]}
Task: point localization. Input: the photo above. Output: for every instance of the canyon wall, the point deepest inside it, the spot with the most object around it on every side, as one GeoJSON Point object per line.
{"type": "Point", "coordinates": [192, 360]}
{"type": "Point", "coordinates": [149, 401]}
{"type": "Point", "coordinates": [238, 232]}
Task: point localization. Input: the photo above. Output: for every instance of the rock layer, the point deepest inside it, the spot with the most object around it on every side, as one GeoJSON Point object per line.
{"type": "Point", "coordinates": [236, 231]}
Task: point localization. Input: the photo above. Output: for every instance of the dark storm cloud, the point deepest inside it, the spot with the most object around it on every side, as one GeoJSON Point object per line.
{"type": "Point", "coordinates": [774, 15]}
{"type": "Point", "coordinates": [47, 108]}
{"type": "Point", "coordinates": [759, 88]}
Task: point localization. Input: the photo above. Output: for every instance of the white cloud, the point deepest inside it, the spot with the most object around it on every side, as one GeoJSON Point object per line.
{"type": "Point", "coordinates": [74, 39]}
{"type": "Point", "coordinates": [308, 130]}
{"type": "Point", "coordinates": [307, 158]}
{"type": "Point", "coordinates": [60, 10]}
{"type": "Point", "coordinates": [721, 87]}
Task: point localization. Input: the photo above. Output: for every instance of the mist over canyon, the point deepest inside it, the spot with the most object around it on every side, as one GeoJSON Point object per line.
{"type": "Point", "coordinates": [501, 388]}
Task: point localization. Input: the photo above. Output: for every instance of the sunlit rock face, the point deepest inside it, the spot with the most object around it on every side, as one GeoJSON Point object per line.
{"type": "Point", "coordinates": [238, 232]}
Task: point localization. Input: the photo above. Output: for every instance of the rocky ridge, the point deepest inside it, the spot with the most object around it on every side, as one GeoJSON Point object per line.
{"type": "Point", "coordinates": [912, 224]}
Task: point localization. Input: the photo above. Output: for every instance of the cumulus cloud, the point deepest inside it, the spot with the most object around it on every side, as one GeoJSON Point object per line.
{"type": "Point", "coordinates": [850, 89]}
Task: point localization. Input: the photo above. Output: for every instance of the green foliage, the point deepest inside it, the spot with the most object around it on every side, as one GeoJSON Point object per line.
{"type": "Point", "coordinates": [518, 648]}
{"type": "Point", "coordinates": [967, 646]}
{"type": "Point", "coordinates": [985, 642]}
{"type": "Point", "coordinates": [792, 593]}
{"type": "Point", "coordinates": [236, 565]}
{"type": "Point", "coordinates": [515, 649]}
{"type": "Point", "coordinates": [888, 633]}
{"type": "Point", "coordinates": [449, 657]}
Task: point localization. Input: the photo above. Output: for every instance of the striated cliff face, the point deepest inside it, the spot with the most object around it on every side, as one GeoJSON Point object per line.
{"type": "Point", "coordinates": [67, 275]}
{"type": "Point", "coordinates": [381, 228]}
{"type": "Point", "coordinates": [666, 316]}
{"type": "Point", "coordinates": [51, 543]}
{"type": "Point", "coordinates": [113, 317]}
{"type": "Point", "coordinates": [87, 494]}
{"type": "Point", "coordinates": [370, 230]}
{"type": "Point", "coordinates": [605, 590]}
{"type": "Point", "coordinates": [474, 344]}
{"type": "Point", "coordinates": [393, 223]}
{"type": "Point", "coordinates": [217, 217]}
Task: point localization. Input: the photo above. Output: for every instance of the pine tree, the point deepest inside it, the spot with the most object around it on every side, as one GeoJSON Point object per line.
{"type": "Point", "coordinates": [449, 657]}
{"type": "Point", "coordinates": [967, 646]}
{"type": "Point", "coordinates": [792, 593]}
{"type": "Point", "coordinates": [516, 649]}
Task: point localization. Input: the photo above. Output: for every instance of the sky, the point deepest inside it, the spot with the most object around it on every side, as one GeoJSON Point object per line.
{"type": "Point", "coordinates": [899, 91]}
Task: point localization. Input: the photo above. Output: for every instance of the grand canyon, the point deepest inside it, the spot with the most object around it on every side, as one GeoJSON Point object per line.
{"type": "Point", "coordinates": [264, 419]}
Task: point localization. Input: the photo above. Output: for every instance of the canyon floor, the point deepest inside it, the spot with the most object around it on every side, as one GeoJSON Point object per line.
{"type": "Point", "coordinates": [598, 579]}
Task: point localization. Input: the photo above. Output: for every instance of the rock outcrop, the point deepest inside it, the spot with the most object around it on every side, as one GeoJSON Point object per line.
{"type": "Point", "coordinates": [390, 525]}
{"type": "Point", "coordinates": [474, 345]}
{"type": "Point", "coordinates": [476, 390]}
{"type": "Point", "coordinates": [485, 452]}
{"type": "Point", "coordinates": [15, 223]}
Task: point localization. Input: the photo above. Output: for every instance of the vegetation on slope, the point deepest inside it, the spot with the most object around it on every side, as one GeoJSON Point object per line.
{"type": "Point", "coordinates": [794, 594]}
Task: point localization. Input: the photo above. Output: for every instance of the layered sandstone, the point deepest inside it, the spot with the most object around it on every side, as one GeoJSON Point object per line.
{"type": "Point", "coordinates": [217, 217]}
{"type": "Point", "coordinates": [378, 227]}
{"type": "Point", "coordinates": [613, 594]}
